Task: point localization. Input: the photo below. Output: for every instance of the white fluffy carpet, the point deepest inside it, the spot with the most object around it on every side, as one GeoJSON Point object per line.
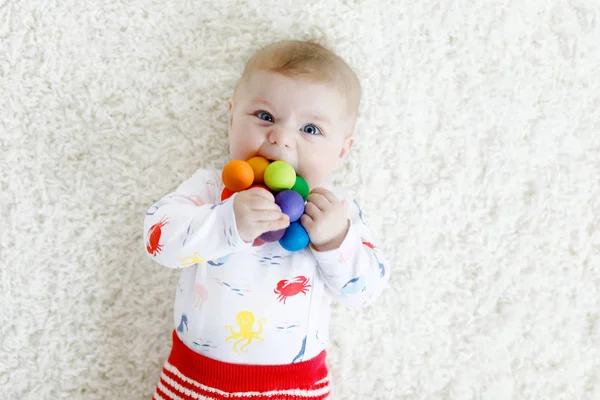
{"type": "Point", "coordinates": [477, 167]}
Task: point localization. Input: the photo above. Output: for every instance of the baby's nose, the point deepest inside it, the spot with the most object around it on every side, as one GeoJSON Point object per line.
{"type": "Point", "coordinates": [282, 135]}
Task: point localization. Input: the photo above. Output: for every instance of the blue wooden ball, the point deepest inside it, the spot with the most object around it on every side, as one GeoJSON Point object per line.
{"type": "Point", "coordinates": [295, 237]}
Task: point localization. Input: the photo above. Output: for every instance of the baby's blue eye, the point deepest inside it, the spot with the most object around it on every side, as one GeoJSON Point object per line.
{"type": "Point", "coordinates": [265, 116]}
{"type": "Point", "coordinates": [311, 129]}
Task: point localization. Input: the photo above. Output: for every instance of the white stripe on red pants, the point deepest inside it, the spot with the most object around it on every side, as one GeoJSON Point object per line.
{"type": "Point", "coordinates": [188, 375]}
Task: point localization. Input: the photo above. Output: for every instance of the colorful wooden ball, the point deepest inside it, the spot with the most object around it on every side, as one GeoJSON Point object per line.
{"type": "Point", "coordinates": [272, 236]}
{"type": "Point", "coordinates": [295, 237]}
{"type": "Point", "coordinates": [280, 175]}
{"type": "Point", "coordinates": [238, 175]}
{"type": "Point", "coordinates": [226, 193]}
{"type": "Point", "coordinates": [301, 187]}
{"type": "Point", "coordinates": [259, 164]}
{"type": "Point", "coordinates": [291, 204]}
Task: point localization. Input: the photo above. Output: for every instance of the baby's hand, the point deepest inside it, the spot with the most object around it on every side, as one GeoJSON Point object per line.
{"type": "Point", "coordinates": [325, 219]}
{"type": "Point", "coordinates": [256, 213]}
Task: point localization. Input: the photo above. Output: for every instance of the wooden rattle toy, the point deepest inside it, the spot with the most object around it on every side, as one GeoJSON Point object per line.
{"type": "Point", "coordinates": [289, 189]}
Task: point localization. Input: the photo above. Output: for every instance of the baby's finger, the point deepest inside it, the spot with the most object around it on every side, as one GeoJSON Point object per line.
{"type": "Point", "coordinates": [312, 210]}
{"type": "Point", "coordinates": [260, 203]}
{"type": "Point", "coordinates": [260, 192]}
{"type": "Point", "coordinates": [328, 194]}
{"type": "Point", "coordinates": [279, 224]}
{"type": "Point", "coordinates": [306, 221]}
{"type": "Point", "coordinates": [274, 225]}
{"type": "Point", "coordinates": [319, 200]}
{"type": "Point", "coordinates": [268, 216]}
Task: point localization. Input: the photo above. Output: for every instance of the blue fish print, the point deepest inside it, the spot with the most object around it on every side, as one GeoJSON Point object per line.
{"type": "Point", "coordinates": [354, 286]}
{"type": "Point", "coordinates": [155, 207]}
{"type": "Point", "coordinates": [381, 266]}
{"type": "Point", "coordinates": [219, 261]}
{"type": "Point", "coordinates": [360, 214]}
{"type": "Point", "coordinates": [271, 259]}
{"type": "Point", "coordinates": [228, 235]}
{"type": "Point", "coordinates": [286, 328]}
{"type": "Point", "coordinates": [204, 346]}
{"type": "Point", "coordinates": [239, 292]}
{"type": "Point", "coordinates": [183, 325]}
{"type": "Point", "coordinates": [189, 231]}
{"type": "Point", "coordinates": [301, 353]}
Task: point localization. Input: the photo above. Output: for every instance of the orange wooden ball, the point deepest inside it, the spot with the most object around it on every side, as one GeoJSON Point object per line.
{"type": "Point", "coordinates": [259, 164]}
{"type": "Point", "coordinates": [226, 193]}
{"type": "Point", "coordinates": [237, 175]}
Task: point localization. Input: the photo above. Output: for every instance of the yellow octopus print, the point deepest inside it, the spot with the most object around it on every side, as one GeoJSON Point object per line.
{"type": "Point", "coordinates": [245, 319]}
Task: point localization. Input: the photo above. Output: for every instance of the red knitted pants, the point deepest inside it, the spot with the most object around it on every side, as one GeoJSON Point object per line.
{"type": "Point", "coordinates": [189, 375]}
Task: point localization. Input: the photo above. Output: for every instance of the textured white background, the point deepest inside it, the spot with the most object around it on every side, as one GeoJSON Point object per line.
{"type": "Point", "coordinates": [477, 167]}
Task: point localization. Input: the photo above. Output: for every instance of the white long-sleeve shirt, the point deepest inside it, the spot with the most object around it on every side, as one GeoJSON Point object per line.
{"type": "Point", "coordinates": [247, 304]}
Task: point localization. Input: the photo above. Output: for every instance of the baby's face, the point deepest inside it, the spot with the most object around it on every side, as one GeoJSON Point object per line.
{"type": "Point", "coordinates": [303, 123]}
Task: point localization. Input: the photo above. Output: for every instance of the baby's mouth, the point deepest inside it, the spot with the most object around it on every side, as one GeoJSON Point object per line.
{"type": "Point", "coordinates": [278, 159]}
{"type": "Point", "coordinates": [271, 159]}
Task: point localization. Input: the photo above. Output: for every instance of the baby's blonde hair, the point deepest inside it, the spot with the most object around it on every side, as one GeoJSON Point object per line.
{"type": "Point", "coordinates": [295, 58]}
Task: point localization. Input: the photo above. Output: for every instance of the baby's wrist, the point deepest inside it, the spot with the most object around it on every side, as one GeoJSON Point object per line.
{"type": "Point", "coordinates": [334, 243]}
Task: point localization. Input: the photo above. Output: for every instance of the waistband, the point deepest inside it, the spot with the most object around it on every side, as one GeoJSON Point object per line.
{"type": "Point", "coordinates": [187, 374]}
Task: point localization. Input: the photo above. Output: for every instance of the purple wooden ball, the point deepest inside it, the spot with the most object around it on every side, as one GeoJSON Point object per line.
{"type": "Point", "coordinates": [291, 203]}
{"type": "Point", "coordinates": [272, 236]}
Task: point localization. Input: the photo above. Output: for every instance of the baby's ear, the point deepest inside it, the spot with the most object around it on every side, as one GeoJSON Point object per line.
{"type": "Point", "coordinates": [230, 111]}
{"type": "Point", "coordinates": [348, 142]}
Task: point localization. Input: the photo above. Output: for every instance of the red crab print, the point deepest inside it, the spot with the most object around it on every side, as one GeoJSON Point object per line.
{"type": "Point", "coordinates": [152, 245]}
{"type": "Point", "coordinates": [287, 288]}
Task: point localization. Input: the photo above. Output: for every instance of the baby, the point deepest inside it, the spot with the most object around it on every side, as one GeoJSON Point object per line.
{"type": "Point", "coordinates": [252, 319]}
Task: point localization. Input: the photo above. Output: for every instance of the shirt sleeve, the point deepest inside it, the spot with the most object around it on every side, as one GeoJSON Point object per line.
{"type": "Point", "coordinates": [190, 225]}
{"type": "Point", "coordinates": [355, 273]}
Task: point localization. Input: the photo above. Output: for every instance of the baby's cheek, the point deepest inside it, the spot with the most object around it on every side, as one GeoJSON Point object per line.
{"type": "Point", "coordinates": [326, 161]}
{"type": "Point", "coordinates": [242, 146]}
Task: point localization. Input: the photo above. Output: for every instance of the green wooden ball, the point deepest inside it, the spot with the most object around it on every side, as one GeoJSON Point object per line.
{"type": "Point", "coordinates": [301, 187]}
